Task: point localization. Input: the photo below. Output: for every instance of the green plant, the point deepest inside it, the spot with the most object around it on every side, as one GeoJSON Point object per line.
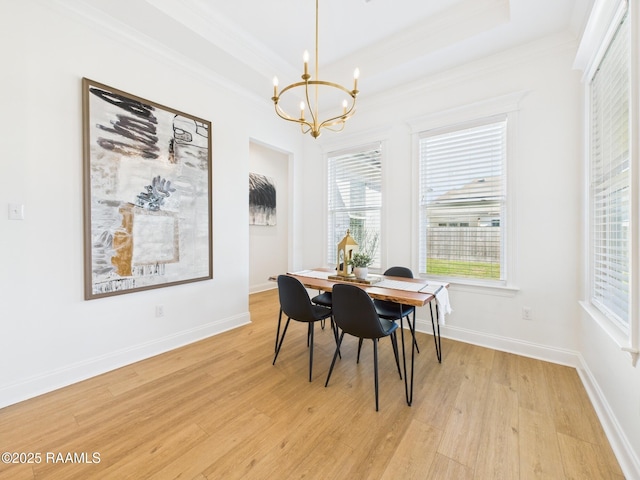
{"type": "Point", "coordinates": [360, 259]}
{"type": "Point", "coordinates": [367, 240]}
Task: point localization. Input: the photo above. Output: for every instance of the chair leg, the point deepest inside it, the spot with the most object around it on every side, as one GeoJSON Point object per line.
{"type": "Point", "coordinates": [334, 329]}
{"type": "Point", "coordinates": [335, 355]}
{"type": "Point", "coordinates": [359, 347]}
{"type": "Point", "coordinates": [278, 331]}
{"type": "Point", "coordinates": [284, 332]}
{"type": "Point", "coordinates": [321, 321]}
{"type": "Point", "coordinates": [375, 368]}
{"type": "Point", "coordinates": [311, 329]}
{"type": "Point", "coordinates": [394, 344]}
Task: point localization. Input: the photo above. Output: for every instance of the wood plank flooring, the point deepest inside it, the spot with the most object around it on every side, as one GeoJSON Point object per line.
{"type": "Point", "coordinates": [219, 409]}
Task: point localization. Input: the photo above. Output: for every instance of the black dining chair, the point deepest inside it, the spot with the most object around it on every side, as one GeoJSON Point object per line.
{"type": "Point", "coordinates": [296, 304]}
{"type": "Point", "coordinates": [325, 298]}
{"type": "Point", "coordinates": [355, 314]}
{"type": "Point", "coordinates": [396, 311]}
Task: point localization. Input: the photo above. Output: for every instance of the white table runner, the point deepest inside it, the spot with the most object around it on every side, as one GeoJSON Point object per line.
{"type": "Point", "coordinates": [312, 274]}
{"type": "Point", "coordinates": [400, 285]}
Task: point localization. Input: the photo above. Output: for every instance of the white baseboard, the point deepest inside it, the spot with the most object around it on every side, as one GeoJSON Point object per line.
{"type": "Point", "coordinates": [629, 462]}
{"type": "Point", "coordinates": [619, 443]}
{"type": "Point", "coordinates": [62, 377]}
{"type": "Point", "coordinates": [504, 344]}
{"type": "Point", "coordinates": [262, 287]}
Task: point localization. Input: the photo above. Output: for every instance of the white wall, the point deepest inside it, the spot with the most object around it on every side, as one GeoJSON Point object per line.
{"type": "Point", "coordinates": [50, 335]}
{"type": "Point", "coordinates": [269, 245]}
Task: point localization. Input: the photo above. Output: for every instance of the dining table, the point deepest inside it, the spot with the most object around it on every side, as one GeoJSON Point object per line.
{"type": "Point", "coordinates": [417, 292]}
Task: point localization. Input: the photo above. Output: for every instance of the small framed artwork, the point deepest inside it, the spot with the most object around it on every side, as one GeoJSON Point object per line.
{"type": "Point", "coordinates": [262, 200]}
{"type": "Point", "coordinates": [147, 194]}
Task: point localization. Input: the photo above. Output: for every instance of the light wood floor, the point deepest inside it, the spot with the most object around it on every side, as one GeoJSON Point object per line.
{"type": "Point", "coordinates": [218, 409]}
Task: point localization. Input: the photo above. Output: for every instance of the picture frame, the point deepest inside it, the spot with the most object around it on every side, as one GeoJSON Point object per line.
{"type": "Point", "coordinates": [147, 174]}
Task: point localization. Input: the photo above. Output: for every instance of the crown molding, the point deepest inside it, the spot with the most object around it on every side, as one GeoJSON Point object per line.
{"type": "Point", "coordinates": [199, 16]}
{"type": "Point", "coordinates": [132, 38]}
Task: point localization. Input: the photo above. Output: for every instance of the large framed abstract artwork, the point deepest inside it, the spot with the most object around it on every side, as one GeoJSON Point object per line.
{"type": "Point", "coordinates": [147, 194]}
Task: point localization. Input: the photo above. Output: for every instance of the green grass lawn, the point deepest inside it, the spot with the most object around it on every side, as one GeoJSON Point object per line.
{"type": "Point", "coordinates": [456, 268]}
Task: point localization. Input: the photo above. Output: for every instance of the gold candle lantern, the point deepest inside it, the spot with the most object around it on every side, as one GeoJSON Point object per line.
{"type": "Point", "coordinates": [346, 248]}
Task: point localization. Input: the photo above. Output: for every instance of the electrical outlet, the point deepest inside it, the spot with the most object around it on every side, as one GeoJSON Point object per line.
{"type": "Point", "coordinates": [527, 313]}
{"type": "Point", "coordinates": [159, 310]}
{"type": "Point", "coordinates": [16, 211]}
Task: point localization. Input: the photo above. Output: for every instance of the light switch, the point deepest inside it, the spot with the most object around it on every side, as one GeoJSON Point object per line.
{"type": "Point", "coordinates": [16, 211]}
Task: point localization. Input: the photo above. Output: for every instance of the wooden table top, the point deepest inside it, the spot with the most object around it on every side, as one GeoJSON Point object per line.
{"type": "Point", "coordinates": [416, 299]}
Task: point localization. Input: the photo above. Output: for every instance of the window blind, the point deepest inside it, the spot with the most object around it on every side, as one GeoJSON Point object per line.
{"type": "Point", "coordinates": [462, 200]}
{"type": "Point", "coordinates": [610, 187]}
{"type": "Point", "coordinates": [355, 199]}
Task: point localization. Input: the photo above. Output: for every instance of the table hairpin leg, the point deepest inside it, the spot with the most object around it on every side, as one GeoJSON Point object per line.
{"type": "Point", "coordinates": [436, 325]}
{"type": "Point", "coordinates": [438, 342]}
{"type": "Point", "coordinates": [408, 383]}
{"type": "Point", "coordinates": [408, 379]}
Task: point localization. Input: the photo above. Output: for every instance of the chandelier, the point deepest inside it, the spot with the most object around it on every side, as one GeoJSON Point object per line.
{"type": "Point", "coordinates": [313, 124]}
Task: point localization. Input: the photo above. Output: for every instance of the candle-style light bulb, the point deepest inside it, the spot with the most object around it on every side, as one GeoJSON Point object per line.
{"type": "Point", "coordinates": [356, 75]}
{"type": "Point", "coordinates": [301, 110]}
{"type": "Point", "coordinates": [305, 59]}
{"type": "Point", "coordinates": [275, 86]}
{"type": "Point", "coordinates": [344, 106]}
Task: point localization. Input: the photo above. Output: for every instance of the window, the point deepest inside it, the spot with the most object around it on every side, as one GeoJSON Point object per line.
{"type": "Point", "coordinates": [355, 199]}
{"type": "Point", "coordinates": [610, 181]}
{"type": "Point", "coordinates": [462, 200]}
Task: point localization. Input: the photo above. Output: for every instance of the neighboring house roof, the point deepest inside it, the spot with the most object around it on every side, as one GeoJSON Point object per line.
{"type": "Point", "coordinates": [476, 201]}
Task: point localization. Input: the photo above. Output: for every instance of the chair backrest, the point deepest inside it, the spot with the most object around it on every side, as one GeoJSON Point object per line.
{"type": "Point", "coordinates": [294, 299]}
{"type": "Point", "coordinates": [354, 312]}
{"type": "Point", "coordinates": [399, 272]}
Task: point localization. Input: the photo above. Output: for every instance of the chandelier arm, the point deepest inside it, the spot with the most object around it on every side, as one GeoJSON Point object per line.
{"type": "Point", "coordinates": [283, 115]}
{"type": "Point", "coordinates": [289, 87]}
{"type": "Point", "coordinates": [339, 118]}
{"type": "Point", "coordinates": [336, 129]}
{"type": "Point", "coordinates": [279, 111]}
{"type": "Point", "coordinates": [351, 93]}
{"type": "Point", "coordinates": [332, 121]}
{"type": "Point", "coordinates": [312, 110]}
